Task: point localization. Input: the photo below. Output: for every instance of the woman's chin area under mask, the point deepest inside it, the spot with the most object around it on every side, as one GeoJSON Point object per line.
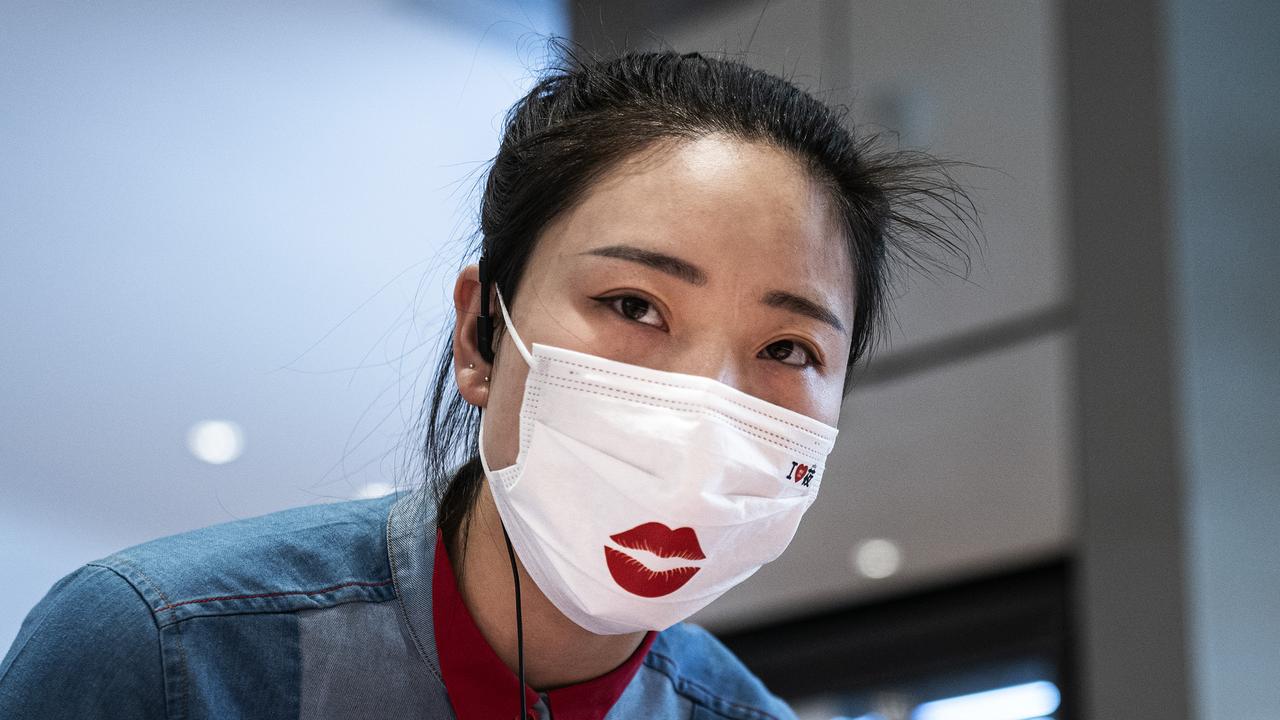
{"type": "Point", "coordinates": [711, 257]}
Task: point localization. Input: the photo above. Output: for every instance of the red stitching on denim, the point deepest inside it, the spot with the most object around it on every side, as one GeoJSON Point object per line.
{"type": "Point", "coordinates": [274, 594]}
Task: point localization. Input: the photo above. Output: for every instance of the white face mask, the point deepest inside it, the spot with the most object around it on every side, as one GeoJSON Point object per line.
{"type": "Point", "coordinates": [638, 496]}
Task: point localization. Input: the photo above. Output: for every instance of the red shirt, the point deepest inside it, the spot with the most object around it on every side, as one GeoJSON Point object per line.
{"type": "Point", "coordinates": [481, 687]}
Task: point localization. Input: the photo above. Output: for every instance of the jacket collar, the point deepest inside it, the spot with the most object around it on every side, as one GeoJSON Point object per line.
{"type": "Point", "coordinates": [411, 535]}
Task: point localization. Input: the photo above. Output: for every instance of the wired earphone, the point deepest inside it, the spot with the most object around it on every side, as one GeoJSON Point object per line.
{"type": "Point", "coordinates": [484, 338]}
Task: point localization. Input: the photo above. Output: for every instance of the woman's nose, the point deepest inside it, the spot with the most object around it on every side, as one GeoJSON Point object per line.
{"type": "Point", "coordinates": [713, 360]}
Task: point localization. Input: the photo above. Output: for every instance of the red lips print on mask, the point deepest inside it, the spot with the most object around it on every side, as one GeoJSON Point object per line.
{"type": "Point", "coordinates": [634, 577]}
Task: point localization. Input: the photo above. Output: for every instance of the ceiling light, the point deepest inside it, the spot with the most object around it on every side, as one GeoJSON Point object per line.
{"type": "Point", "coordinates": [877, 558]}
{"type": "Point", "coordinates": [215, 441]}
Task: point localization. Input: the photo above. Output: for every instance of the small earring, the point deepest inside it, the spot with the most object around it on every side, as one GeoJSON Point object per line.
{"type": "Point", "coordinates": [471, 366]}
{"type": "Point", "coordinates": [486, 378]}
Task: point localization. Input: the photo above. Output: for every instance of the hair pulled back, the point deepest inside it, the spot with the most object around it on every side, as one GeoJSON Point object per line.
{"type": "Point", "coordinates": [587, 114]}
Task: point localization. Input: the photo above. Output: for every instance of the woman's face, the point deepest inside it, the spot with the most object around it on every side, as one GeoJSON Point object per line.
{"type": "Point", "coordinates": [711, 257]}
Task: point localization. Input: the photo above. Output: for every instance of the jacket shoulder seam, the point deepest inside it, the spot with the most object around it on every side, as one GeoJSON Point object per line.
{"type": "Point", "coordinates": [281, 593]}
{"type": "Point", "coordinates": [109, 565]}
{"type": "Point", "coordinates": [167, 610]}
{"type": "Point", "coordinates": [276, 602]}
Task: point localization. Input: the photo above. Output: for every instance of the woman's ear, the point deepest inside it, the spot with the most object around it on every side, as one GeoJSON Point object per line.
{"type": "Point", "coordinates": [470, 370]}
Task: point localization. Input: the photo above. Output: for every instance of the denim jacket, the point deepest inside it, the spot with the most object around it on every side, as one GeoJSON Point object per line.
{"type": "Point", "coordinates": [313, 613]}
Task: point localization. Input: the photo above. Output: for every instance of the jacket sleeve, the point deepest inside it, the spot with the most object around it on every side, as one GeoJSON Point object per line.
{"type": "Point", "coordinates": [90, 649]}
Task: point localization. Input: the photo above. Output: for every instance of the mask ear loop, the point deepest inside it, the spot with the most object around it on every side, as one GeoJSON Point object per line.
{"type": "Point", "coordinates": [511, 328]}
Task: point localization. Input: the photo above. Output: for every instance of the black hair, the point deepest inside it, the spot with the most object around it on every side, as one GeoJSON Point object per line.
{"type": "Point", "coordinates": [586, 114]}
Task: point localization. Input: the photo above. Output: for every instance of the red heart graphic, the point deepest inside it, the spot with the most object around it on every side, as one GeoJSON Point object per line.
{"type": "Point", "coordinates": [800, 472]}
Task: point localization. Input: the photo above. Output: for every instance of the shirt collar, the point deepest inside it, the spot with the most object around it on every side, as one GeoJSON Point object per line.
{"type": "Point", "coordinates": [481, 687]}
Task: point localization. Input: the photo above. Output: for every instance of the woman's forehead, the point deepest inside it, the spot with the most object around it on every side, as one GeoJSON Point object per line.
{"type": "Point", "coordinates": [738, 208]}
{"type": "Point", "coordinates": [708, 176]}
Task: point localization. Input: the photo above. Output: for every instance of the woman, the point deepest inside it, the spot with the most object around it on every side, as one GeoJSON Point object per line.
{"type": "Point", "coordinates": [681, 259]}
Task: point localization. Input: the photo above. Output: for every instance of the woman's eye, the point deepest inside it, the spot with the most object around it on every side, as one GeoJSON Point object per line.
{"type": "Point", "coordinates": [788, 352]}
{"type": "Point", "coordinates": [636, 308]}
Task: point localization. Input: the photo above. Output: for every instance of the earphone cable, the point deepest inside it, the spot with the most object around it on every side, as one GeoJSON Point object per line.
{"type": "Point", "coordinates": [515, 574]}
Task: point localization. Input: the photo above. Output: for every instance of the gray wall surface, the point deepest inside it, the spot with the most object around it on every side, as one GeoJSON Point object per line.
{"type": "Point", "coordinates": [1130, 594]}
{"type": "Point", "coordinates": [1224, 109]}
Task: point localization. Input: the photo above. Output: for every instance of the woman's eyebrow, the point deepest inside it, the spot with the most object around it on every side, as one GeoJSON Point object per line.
{"type": "Point", "coordinates": [662, 262]}
{"type": "Point", "coordinates": [801, 306]}
{"type": "Point", "coordinates": [690, 273]}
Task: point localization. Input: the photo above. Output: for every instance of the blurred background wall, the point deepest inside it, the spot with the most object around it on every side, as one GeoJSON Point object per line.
{"type": "Point", "coordinates": [228, 211]}
{"type": "Point", "coordinates": [1060, 475]}
{"type": "Point", "coordinates": [1225, 159]}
